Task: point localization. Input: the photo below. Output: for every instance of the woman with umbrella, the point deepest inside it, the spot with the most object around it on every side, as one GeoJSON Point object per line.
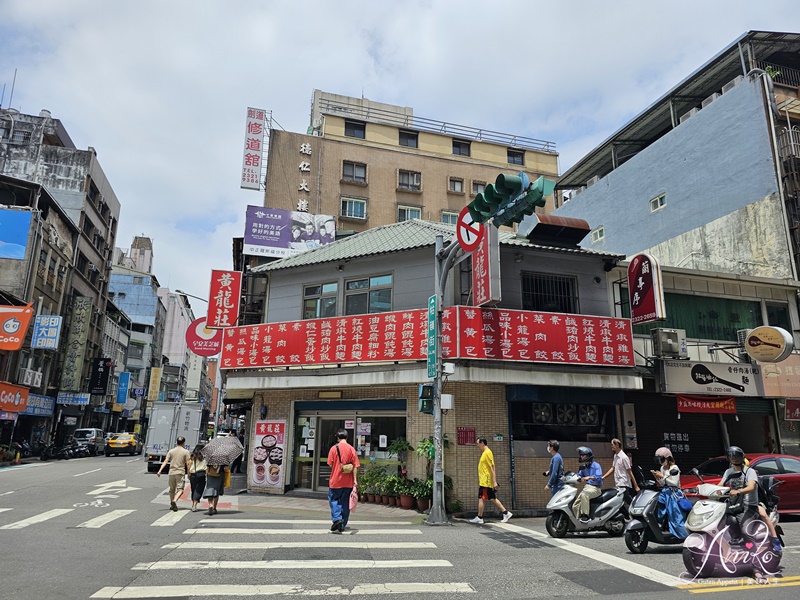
{"type": "Point", "coordinates": [219, 453]}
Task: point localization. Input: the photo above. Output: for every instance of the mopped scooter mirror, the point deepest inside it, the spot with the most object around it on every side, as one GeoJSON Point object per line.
{"type": "Point", "coordinates": [697, 474]}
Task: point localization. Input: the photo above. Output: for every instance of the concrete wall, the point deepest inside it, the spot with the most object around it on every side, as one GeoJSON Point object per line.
{"type": "Point", "coordinates": [714, 164]}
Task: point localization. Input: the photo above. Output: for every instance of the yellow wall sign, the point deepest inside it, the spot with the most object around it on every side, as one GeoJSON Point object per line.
{"type": "Point", "coordinates": [769, 344]}
{"type": "Point", "coordinates": [155, 383]}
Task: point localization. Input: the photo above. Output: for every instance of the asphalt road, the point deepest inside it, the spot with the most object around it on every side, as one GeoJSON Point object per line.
{"type": "Point", "coordinates": [101, 528]}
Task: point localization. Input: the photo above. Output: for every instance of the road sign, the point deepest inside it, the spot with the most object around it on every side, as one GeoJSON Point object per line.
{"type": "Point", "coordinates": [432, 336]}
{"type": "Point", "coordinates": [468, 231]}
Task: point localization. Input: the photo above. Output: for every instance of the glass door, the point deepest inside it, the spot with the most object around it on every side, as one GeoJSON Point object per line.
{"type": "Point", "coordinates": [326, 439]}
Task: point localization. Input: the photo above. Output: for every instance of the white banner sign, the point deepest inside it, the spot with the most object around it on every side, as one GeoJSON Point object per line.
{"type": "Point", "coordinates": [734, 379]}
{"type": "Point", "coordinates": [253, 149]}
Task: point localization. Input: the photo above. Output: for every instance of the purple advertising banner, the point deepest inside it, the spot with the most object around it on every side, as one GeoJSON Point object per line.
{"type": "Point", "coordinates": [279, 233]}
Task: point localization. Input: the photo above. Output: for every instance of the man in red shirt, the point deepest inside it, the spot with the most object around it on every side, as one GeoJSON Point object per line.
{"type": "Point", "coordinates": [343, 461]}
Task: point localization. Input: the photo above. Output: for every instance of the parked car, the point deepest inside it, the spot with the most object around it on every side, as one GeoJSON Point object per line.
{"type": "Point", "coordinates": [128, 443]}
{"type": "Point", "coordinates": [783, 467]}
{"type": "Point", "coordinates": [91, 438]}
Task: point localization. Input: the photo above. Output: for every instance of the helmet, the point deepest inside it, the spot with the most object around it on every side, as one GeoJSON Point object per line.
{"type": "Point", "coordinates": [585, 455]}
{"type": "Point", "coordinates": [735, 455]}
{"type": "Point", "coordinates": [662, 454]}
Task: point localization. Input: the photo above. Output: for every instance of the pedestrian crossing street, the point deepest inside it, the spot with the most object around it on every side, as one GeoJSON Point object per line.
{"type": "Point", "coordinates": [234, 556]}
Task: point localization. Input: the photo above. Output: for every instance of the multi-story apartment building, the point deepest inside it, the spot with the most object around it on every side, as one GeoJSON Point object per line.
{"type": "Point", "coordinates": [116, 339]}
{"type": "Point", "coordinates": [38, 149]}
{"type": "Point", "coordinates": [175, 349]}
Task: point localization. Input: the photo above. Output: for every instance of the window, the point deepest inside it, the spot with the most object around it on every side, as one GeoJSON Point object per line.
{"type": "Point", "coordinates": [516, 157]}
{"type": "Point", "coordinates": [790, 465]}
{"type": "Point", "coordinates": [778, 316]}
{"type": "Point", "coordinates": [410, 181]}
{"type": "Point", "coordinates": [370, 295]}
{"type": "Point", "coordinates": [354, 208]}
{"type": "Point", "coordinates": [478, 187]}
{"type": "Point", "coordinates": [549, 293]}
{"type": "Point", "coordinates": [319, 300]}
{"type": "Point", "coordinates": [356, 172]}
{"type": "Point", "coordinates": [658, 202]}
{"type": "Point", "coordinates": [460, 148]}
{"type": "Point", "coordinates": [456, 185]}
{"type": "Point", "coordinates": [598, 234]}
{"type": "Point", "coordinates": [138, 281]}
{"type": "Point", "coordinates": [409, 139]}
{"type": "Point", "coordinates": [449, 217]}
{"type": "Point", "coordinates": [136, 351]}
{"type": "Point", "coordinates": [20, 137]}
{"type": "Point", "coordinates": [406, 213]}
{"type": "Point", "coordinates": [767, 467]}
{"type": "Point", "coordinates": [355, 129]}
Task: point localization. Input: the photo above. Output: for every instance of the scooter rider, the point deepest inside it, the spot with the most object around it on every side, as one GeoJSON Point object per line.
{"type": "Point", "coordinates": [592, 475]}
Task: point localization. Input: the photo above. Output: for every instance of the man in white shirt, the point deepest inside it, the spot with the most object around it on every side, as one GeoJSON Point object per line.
{"type": "Point", "coordinates": [621, 467]}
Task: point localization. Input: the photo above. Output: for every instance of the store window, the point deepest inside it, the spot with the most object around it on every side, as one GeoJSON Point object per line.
{"type": "Point", "coordinates": [549, 293]}
{"type": "Point", "coordinates": [319, 300]}
{"type": "Point", "coordinates": [368, 295]}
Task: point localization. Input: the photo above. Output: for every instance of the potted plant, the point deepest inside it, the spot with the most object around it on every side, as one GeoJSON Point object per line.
{"type": "Point", "coordinates": [405, 498]}
{"type": "Point", "coordinates": [393, 484]}
{"type": "Point", "coordinates": [370, 480]}
{"type": "Point", "coordinates": [400, 447]}
{"type": "Point", "coordinates": [426, 450]}
{"type": "Point", "coordinates": [422, 491]}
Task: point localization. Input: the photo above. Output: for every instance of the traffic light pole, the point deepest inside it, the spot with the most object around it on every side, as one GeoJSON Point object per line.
{"type": "Point", "coordinates": [444, 262]}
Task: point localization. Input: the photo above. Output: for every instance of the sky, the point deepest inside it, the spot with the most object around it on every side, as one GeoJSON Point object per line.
{"type": "Point", "coordinates": [160, 88]}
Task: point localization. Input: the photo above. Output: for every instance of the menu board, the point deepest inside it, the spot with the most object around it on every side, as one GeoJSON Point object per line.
{"type": "Point", "coordinates": [269, 454]}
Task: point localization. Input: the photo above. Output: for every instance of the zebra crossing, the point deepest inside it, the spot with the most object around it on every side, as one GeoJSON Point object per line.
{"type": "Point", "coordinates": [168, 520]}
{"type": "Point", "coordinates": [256, 557]}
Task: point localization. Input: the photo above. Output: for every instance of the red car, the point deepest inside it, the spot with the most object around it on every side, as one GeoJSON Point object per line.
{"type": "Point", "coordinates": [783, 467]}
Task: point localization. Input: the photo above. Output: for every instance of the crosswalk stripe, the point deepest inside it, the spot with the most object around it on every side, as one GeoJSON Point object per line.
{"type": "Point", "coordinates": [98, 522]}
{"type": "Point", "coordinates": [291, 564]}
{"type": "Point", "coordinates": [169, 519]}
{"type": "Point", "coordinates": [374, 589]}
{"type": "Point", "coordinates": [5, 509]}
{"type": "Point", "coordinates": [279, 545]}
{"type": "Point", "coordinates": [306, 522]}
{"type": "Point", "coordinates": [234, 530]}
{"type": "Point", "coordinates": [50, 514]}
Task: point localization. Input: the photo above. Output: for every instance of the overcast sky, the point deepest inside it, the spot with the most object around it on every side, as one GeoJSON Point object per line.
{"type": "Point", "coordinates": [160, 88]}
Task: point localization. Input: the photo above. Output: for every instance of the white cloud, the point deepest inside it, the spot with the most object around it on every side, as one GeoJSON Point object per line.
{"type": "Point", "coordinates": [160, 88]}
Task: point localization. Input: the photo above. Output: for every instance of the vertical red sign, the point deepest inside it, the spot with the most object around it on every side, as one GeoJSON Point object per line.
{"type": "Point", "coordinates": [645, 292]}
{"type": "Point", "coordinates": [486, 269]}
{"type": "Point", "coordinates": [223, 299]}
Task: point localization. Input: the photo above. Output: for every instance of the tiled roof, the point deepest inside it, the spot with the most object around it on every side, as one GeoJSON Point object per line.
{"type": "Point", "coordinates": [398, 237]}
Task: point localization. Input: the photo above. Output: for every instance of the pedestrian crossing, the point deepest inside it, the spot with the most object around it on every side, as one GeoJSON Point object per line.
{"type": "Point", "coordinates": [106, 518]}
{"type": "Point", "coordinates": [260, 557]}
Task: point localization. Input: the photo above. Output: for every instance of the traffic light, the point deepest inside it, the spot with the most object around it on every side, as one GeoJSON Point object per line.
{"type": "Point", "coordinates": [426, 398]}
{"type": "Point", "coordinates": [524, 203]}
{"type": "Point", "coordinates": [488, 202]}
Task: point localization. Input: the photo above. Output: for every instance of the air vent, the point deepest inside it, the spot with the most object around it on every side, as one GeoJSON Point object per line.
{"type": "Point", "coordinates": [688, 115]}
{"type": "Point", "coordinates": [669, 343]}
{"type": "Point", "coordinates": [710, 99]}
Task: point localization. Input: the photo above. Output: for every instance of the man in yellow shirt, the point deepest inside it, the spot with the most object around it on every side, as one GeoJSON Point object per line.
{"type": "Point", "coordinates": [487, 482]}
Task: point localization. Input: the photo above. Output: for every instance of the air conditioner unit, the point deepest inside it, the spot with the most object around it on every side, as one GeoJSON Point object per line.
{"type": "Point", "coordinates": [669, 343]}
{"type": "Point", "coordinates": [710, 99]}
{"type": "Point", "coordinates": [688, 115]}
{"type": "Point", "coordinates": [592, 181]}
{"type": "Point", "coordinates": [741, 338]}
{"type": "Point", "coordinates": [26, 376]}
{"type": "Point", "coordinates": [732, 83]}
{"type": "Point", "coordinates": [37, 379]}
{"type": "Point", "coordinates": [92, 267]}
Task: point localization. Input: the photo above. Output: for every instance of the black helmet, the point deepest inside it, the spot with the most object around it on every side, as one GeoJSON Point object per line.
{"type": "Point", "coordinates": [585, 455]}
{"type": "Point", "coordinates": [735, 455]}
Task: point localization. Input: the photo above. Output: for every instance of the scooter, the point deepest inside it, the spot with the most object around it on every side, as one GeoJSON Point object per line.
{"type": "Point", "coordinates": [606, 512]}
{"type": "Point", "coordinates": [644, 526]}
{"type": "Point", "coordinates": [716, 541]}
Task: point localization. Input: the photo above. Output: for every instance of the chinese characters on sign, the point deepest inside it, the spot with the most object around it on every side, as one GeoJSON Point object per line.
{"type": "Point", "coordinates": [102, 368]}
{"type": "Point", "coordinates": [671, 438]}
{"type": "Point", "coordinates": [486, 268]}
{"type": "Point", "coordinates": [253, 148]}
{"type": "Point", "coordinates": [734, 379]}
{"type": "Point", "coordinates": [74, 398]}
{"type": "Point", "coordinates": [39, 406]}
{"type": "Point", "coordinates": [155, 384]}
{"type": "Point", "coordinates": [792, 409]}
{"type": "Point", "coordinates": [724, 405]}
{"type": "Point", "coordinates": [224, 299]}
{"type": "Point", "coordinates": [645, 292]}
{"type": "Point", "coordinates": [268, 453]}
{"type": "Point", "coordinates": [276, 232]}
{"type": "Point", "coordinates": [46, 330]}
{"type": "Point", "coordinates": [76, 344]}
{"type": "Point", "coordinates": [304, 168]}
{"type": "Point", "coordinates": [13, 398]}
{"type": "Point", "coordinates": [467, 332]}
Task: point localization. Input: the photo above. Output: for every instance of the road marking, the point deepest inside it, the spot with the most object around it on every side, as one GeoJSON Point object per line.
{"type": "Point", "coordinates": [50, 514]}
{"type": "Point", "coordinates": [7, 493]}
{"type": "Point", "coordinates": [228, 530]}
{"type": "Point", "coordinates": [113, 486]}
{"type": "Point", "coordinates": [132, 460]}
{"type": "Point", "coordinates": [374, 589]}
{"type": "Point", "coordinates": [86, 472]}
{"type": "Point", "coordinates": [98, 522]}
{"type": "Point", "coordinates": [291, 564]}
{"type": "Point", "coordinates": [169, 519]}
{"type": "Point", "coordinates": [5, 509]}
{"type": "Point", "coordinates": [602, 557]}
{"type": "Point", "coordinates": [278, 545]}
{"type": "Point", "coordinates": [307, 521]}
{"type": "Point", "coordinates": [741, 584]}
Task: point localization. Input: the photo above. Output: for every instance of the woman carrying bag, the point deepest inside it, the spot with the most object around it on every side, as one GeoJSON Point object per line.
{"type": "Point", "coordinates": [197, 475]}
{"type": "Point", "coordinates": [215, 486]}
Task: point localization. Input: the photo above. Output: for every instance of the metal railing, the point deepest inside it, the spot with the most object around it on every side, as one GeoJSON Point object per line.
{"type": "Point", "coordinates": [789, 142]}
{"type": "Point", "coordinates": [781, 73]}
{"type": "Point", "coordinates": [395, 119]}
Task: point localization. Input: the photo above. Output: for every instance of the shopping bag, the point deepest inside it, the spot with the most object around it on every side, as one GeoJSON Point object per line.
{"type": "Point", "coordinates": [227, 479]}
{"type": "Point", "coordinates": [353, 499]}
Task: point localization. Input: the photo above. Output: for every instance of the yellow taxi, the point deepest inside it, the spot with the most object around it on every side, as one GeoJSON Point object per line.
{"type": "Point", "coordinates": [128, 443]}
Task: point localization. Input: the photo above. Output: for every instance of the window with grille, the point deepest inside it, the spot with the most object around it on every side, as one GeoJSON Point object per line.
{"type": "Point", "coordinates": [449, 217]}
{"type": "Point", "coordinates": [410, 181]}
{"type": "Point", "coordinates": [368, 295]}
{"type": "Point", "coordinates": [460, 148]}
{"type": "Point", "coordinates": [550, 293]}
{"type": "Point", "coordinates": [354, 208]}
{"type": "Point", "coordinates": [355, 129]}
{"type": "Point", "coordinates": [319, 300]}
{"type": "Point", "coordinates": [409, 139]}
{"type": "Point", "coordinates": [355, 172]}
{"type": "Point", "coordinates": [516, 157]}
{"type": "Point", "coordinates": [20, 136]}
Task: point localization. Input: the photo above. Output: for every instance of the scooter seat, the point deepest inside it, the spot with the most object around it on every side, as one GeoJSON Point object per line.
{"type": "Point", "coordinates": [605, 496]}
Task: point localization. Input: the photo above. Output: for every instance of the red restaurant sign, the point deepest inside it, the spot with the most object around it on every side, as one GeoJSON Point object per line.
{"type": "Point", "coordinates": [223, 299]}
{"type": "Point", "coordinates": [13, 398]}
{"type": "Point", "coordinates": [645, 292]}
{"type": "Point", "coordinates": [467, 332]}
{"type": "Point", "coordinates": [725, 405]}
{"type": "Point", "coordinates": [792, 409]}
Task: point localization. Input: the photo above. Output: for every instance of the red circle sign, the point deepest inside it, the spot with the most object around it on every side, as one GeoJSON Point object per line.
{"type": "Point", "coordinates": [468, 232]}
{"type": "Point", "coordinates": [203, 341]}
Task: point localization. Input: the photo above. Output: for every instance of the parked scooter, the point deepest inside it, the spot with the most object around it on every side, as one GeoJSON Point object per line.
{"type": "Point", "coordinates": [606, 512]}
{"type": "Point", "coordinates": [716, 542]}
{"type": "Point", "coordinates": [644, 526]}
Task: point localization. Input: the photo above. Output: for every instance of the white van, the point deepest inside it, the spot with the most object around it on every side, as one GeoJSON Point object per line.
{"type": "Point", "coordinates": [93, 438]}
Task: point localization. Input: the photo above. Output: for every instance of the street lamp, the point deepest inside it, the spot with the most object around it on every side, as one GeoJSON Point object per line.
{"type": "Point", "coordinates": [182, 293]}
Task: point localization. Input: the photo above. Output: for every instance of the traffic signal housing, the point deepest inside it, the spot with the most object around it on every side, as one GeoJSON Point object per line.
{"type": "Point", "coordinates": [426, 398]}
{"type": "Point", "coordinates": [524, 203]}
{"type": "Point", "coordinates": [488, 202]}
